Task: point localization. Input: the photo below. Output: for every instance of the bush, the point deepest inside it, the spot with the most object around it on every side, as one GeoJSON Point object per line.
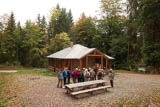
{"type": "Point", "coordinates": [16, 63]}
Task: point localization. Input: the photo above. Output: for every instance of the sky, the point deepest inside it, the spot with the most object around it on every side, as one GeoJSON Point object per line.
{"type": "Point", "coordinates": [29, 9]}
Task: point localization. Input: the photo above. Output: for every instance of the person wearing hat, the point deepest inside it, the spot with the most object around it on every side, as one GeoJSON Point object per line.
{"type": "Point", "coordinates": [111, 77]}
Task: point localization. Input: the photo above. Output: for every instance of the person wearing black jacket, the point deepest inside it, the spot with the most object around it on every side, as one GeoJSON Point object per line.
{"type": "Point", "coordinates": [68, 75]}
{"type": "Point", "coordinates": [79, 75]}
{"type": "Point", "coordinates": [82, 77]}
{"type": "Point", "coordinates": [95, 73]}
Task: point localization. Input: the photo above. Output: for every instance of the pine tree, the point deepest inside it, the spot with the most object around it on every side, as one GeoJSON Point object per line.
{"type": "Point", "coordinates": [60, 21]}
{"type": "Point", "coordinates": [19, 35]}
{"type": "Point", "coordinates": [10, 41]}
{"type": "Point", "coordinates": [44, 25]}
{"type": "Point", "coordinates": [144, 30]}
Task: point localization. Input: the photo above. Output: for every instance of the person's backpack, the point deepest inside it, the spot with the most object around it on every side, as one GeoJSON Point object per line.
{"type": "Point", "coordinates": [72, 74]}
{"type": "Point", "coordinates": [68, 73]}
{"type": "Point", "coordinates": [87, 75]}
{"type": "Point", "coordinates": [100, 74]}
{"type": "Point", "coordinates": [92, 74]}
{"type": "Point", "coordinates": [75, 72]}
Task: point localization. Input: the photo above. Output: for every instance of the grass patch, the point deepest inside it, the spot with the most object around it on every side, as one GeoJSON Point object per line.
{"type": "Point", "coordinates": [44, 72]}
{"type": "Point", "coordinates": [118, 70]}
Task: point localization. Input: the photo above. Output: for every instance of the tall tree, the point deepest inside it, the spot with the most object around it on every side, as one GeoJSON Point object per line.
{"type": "Point", "coordinates": [134, 40]}
{"type": "Point", "coordinates": [41, 22]}
{"type": "Point", "coordinates": [62, 39]}
{"type": "Point", "coordinates": [84, 30]}
{"type": "Point", "coordinates": [3, 24]}
{"type": "Point", "coordinates": [19, 32]}
{"type": "Point", "coordinates": [44, 25]}
{"type": "Point", "coordinates": [60, 21]}
{"type": "Point", "coordinates": [112, 28]}
{"type": "Point", "coordinates": [54, 14]}
{"type": "Point", "coordinates": [144, 16]}
{"type": "Point", "coordinates": [32, 47]}
{"type": "Point", "coordinates": [9, 46]}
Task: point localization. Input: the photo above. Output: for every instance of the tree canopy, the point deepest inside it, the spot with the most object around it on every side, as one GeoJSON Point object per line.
{"type": "Point", "coordinates": [130, 32]}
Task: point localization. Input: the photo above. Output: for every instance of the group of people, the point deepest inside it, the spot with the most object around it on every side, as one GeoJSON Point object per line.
{"type": "Point", "coordinates": [87, 74]}
{"type": "Point", "coordinates": [63, 76]}
{"type": "Point", "coordinates": [83, 75]}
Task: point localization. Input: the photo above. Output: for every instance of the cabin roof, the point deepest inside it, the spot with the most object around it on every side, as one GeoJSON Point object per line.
{"type": "Point", "coordinates": [76, 52]}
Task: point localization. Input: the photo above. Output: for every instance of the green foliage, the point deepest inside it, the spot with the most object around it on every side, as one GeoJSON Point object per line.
{"type": "Point", "coordinates": [112, 28]}
{"type": "Point", "coordinates": [118, 70]}
{"type": "Point", "coordinates": [83, 31]}
{"type": "Point", "coordinates": [32, 46]}
{"type": "Point", "coordinates": [62, 40]}
{"type": "Point", "coordinates": [131, 37]}
{"type": "Point", "coordinates": [41, 22]}
{"type": "Point", "coordinates": [8, 41]}
{"type": "Point", "coordinates": [60, 21]}
{"type": "Point", "coordinates": [144, 26]}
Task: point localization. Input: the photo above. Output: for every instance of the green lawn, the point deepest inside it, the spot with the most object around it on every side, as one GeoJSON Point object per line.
{"type": "Point", "coordinates": [118, 71]}
{"type": "Point", "coordinates": [44, 72]}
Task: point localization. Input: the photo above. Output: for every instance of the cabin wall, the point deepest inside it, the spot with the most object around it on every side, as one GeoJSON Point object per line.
{"type": "Point", "coordinates": [91, 62]}
{"type": "Point", "coordinates": [51, 62]}
{"type": "Point", "coordinates": [84, 62]}
{"type": "Point", "coordinates": [59, 64]}
{"type": "Point", "coordinates": [75, 63]}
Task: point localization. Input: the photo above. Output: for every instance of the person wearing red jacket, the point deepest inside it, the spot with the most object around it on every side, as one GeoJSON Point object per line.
{"type": "Point", "coordinates": [75, 75]}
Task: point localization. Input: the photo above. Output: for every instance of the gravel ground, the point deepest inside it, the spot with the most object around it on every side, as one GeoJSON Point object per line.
{"type": "Point", "coordinates": [41, 91]}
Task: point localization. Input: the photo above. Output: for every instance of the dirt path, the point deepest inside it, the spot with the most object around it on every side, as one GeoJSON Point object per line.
{"type": "Point", "coordinates": [8, 71]}
{"type": "Point", "coordinates": [41, 91]}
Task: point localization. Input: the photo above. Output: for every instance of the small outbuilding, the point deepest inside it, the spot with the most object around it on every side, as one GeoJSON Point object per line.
{"type": "Point", "coordinates": [78, 56]}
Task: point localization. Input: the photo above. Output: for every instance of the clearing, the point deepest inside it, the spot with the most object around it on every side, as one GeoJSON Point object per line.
{"type": "Point", "coordinates": [33, 90]}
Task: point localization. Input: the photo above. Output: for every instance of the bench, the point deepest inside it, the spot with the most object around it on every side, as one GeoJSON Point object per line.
{"type": "Point", "coordinates": [90, 90]}
{"type": "Point", "coordinates": [86, 87]}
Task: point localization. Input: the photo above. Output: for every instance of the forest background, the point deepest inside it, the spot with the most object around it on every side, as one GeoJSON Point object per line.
{"type": "Point", "coordinates": [129, 32]}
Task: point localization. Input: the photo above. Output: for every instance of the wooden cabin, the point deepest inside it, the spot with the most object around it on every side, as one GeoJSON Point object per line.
{"type": "Point", "coordinates": [78, 56]}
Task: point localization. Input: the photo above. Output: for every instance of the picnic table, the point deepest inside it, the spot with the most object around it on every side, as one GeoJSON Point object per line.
{"type": "Point", "coordinates": [86, 87]}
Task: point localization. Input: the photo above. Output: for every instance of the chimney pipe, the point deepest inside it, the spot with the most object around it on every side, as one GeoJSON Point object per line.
{"type": "Point", "coordinates": [71, 44]}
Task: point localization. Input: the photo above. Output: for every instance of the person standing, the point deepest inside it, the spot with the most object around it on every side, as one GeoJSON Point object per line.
{"type": "Point", "coordinates": [100, 74]}
{"type": "Point", "coordinates": [75, 75]}
{"type": "Point", "coordinates": [68, 75]}
{"type": "Point", "coordinates": [87, 75]}
{"type": "Point", "coordinates": [82, 79]}
{"type": "Point", "coordinates": [65, 75]}
{"type": "Point", "coordinates": [79, 76]}
{"type": "Point", "coordinates": [111, 77]}
{"type": "Point", "coordinates": [92, 74]}
{"type": "Point", "coordinates": [60, 78]}
{"type": "Point", "coordinates": [84, 73]}
{"type": "Point", "coordinates": [95, 72]}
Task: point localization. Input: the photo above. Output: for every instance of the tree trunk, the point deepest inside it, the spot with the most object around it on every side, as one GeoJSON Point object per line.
{"type": "Point", "coordinates": [156, 39]}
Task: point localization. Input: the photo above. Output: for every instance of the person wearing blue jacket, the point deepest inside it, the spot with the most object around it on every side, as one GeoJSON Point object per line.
{"type": "Point", "coordinates": [65, 75]}
{"type": "Point", "coordinates": [60, 78]}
